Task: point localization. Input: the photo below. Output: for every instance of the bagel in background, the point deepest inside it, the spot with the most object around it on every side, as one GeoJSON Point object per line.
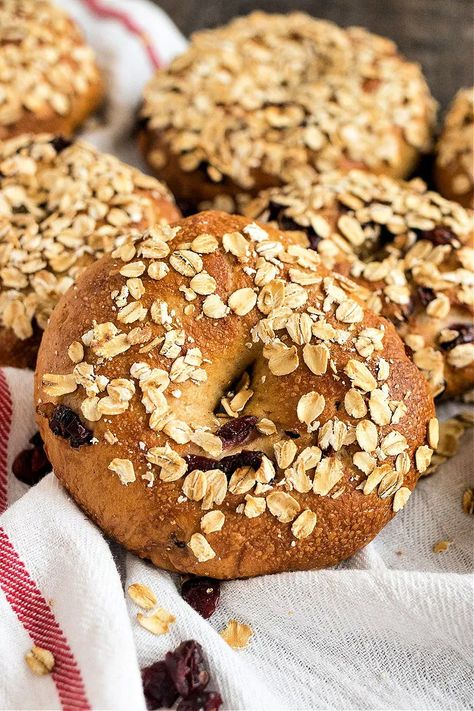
{"type": "Point", "coordinates": [410, 250]}
{"type": "Point", "coordinates": [218, 402]}
{"type": "Point", "coordinates": [62, 205]}
{"type": "Point", "coordinates": [49, 78]}
{"type": "Point", "coordinates": [250, 104]}
{"type": "Point", "coordinates": [454, 167]}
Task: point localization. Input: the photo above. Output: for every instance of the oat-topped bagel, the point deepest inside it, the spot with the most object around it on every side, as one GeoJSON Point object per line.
{"type": "Point", "coordinates": [410, 248]}
{"type": "Point", "coordinates": [49, 80]}
{"type": "Point", "coordinates": [250, 103]}
{"type": "Point", "coordinates": [238, 411]}
{"type": "Point", "coordinates": [62, 205]}
{"type": "Point", "coordinates": [455, 150]}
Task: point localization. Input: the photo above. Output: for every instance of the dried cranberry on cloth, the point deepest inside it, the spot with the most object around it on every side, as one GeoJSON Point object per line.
{"type": "Point", "coordinates": [388, 629]}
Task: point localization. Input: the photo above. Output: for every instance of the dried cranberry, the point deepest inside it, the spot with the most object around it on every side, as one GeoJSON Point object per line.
{"type": "Point", "coordinates": [158, 686]}
{"type": "Point", "coordinates": [203, 701]}
{"type": "Point", "coordinates": [60, 143]}
{"type": "Point", "coordinates": [465, 335]}
{"type": "Point", "coordinates": [177, 541]}
{"type": "Point", "coordinates": [187, 669]}
{"type": "Point", "coordinates": [236, 431]}
{"type": "Point", "coordinates": [439, 235]}
{"type": "Point", "coordinates": [314, 240]}
{"type": "Point", "coordinates": [195, 461]}
{"type": "Point", "coordinates": [202, 594]}
{"type": "Point", "coordinates": [245, 458]}
{"type": "Point", "coordinates": [31, 465]}
{"type": "Point", "coordinates": [425, 295]}
{"type": "Point", "coordinates": [65, 423]}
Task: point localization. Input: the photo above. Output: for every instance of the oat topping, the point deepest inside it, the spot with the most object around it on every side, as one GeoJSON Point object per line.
{"type": "Point", "coordinates": [212, 521]}
{"type": "Point", "coordinates": [158, 622]}
{"type": "Point", "coordinates": [400, 498]}
{"type": "Point", "coordinates": [413, 259]}
{"type": "Point", "coordinates": [59, 210]}
{"type": "Point", "coordinates": [357, 443]}
{"type": "Point", "coordinates": [44, 64]}
{"type": "Point", "coordinates": [142, 596]}
{"type": "Point", "coordinates": [441, 546]}
{"type": "Point", "coordinates": [236, 634]}
{"type": "Point", "coordinates": [278, 93]}
{"type": "Point", "coordinates": [456, 144]}
{"type": "Point", "coordinates": [304, 525]}
{"type": "Point", "coordinates": [40, 661]}
{"type": "Point", "coordinates": [124, 470]}
{"type": "Point", "coordinates": [468, 501]}
{"type": "Point", "coordinates": [450, 432]}
{"type": "Point", "coordinates": [201, 547]}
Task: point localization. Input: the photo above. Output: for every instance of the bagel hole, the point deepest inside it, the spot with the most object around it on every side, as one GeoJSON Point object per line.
{"type": "Point", "coordinates": [242, 381]}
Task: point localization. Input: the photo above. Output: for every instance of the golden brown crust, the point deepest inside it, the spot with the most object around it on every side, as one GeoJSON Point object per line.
{"type": "Point", "coordinates": [251, 104]}
{"type": "Point", "coordinates": [62, 205]}
{"type": "Point", "coordinates": [454, 167]}
{"type": "Point", "coordinates": [50, 79]}
{"type": "Point", "coordinates": [410, 249]}
{"type": "Point", "coordinates": [165, 395]}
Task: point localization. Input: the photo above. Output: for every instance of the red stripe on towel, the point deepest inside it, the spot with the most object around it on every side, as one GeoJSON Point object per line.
{"type": "Point", "coordinates": [35, 615]}
{"type": "Point", "coordinates": [6, 411]}
{"type": "Point", "coordinates": [96, 7]}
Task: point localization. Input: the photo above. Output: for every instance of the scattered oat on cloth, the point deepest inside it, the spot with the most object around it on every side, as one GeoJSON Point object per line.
{"type": "Point", "coordinates": [389, 629]}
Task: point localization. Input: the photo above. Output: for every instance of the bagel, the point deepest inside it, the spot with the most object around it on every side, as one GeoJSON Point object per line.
{"type": "Point", "coordinates": [248, 105]}
{"type": "Point", "coordinates": [454, 165]}
{"type": "Point", "coordinates": [62, 205]}
{"type": "Point", "coordinates": [245, 415]}
{"type": "Point", "coordinates": [49, 79]}
{"type": "Point", "coordinates": [409, 249]}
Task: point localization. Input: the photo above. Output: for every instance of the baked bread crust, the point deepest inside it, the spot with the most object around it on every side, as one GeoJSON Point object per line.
{"type": "Point", "coordinates": [62, 205]}
{"type": "Point", "coordinates": [454, 166]}
{"type": "Point", "coordinates": [250, 104]}
{"type": "Point", "coordinates": [148, 378]}
{"type": "Point", "coordinates": [50, 81]}
{"type": "Point", "coordinates": [410, 249]}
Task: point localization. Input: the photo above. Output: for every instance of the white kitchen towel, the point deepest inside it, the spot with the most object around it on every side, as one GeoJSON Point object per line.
{"type": "Point", "coordinates": [389, 629]}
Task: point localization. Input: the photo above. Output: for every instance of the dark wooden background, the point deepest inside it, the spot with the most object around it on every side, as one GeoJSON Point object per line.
{"type": "Point", "coordinates": [436, 33]}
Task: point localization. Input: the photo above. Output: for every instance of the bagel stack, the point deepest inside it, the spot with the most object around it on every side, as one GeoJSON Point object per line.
{"type": "Point", "coordinates": [454, 169]}
{"type": "Point", "coordinates": [49, 79]}
{"type": "Point", "coordinates": [221, 404]}
{"type": "Point", "coordinates": [249, 105]}
{"type": "Point", "coordinates": [62, 205]}
{"type": "Point", "coordinates": [409, 249]}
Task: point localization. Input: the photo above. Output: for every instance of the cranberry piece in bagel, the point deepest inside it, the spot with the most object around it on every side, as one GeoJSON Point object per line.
{"type": "Point", "coordinates": [249, 104]}
{"type": "Point", "coordinates": [62, 205]}
{"type": "Point", "coordinates": [214, 319]}
{"type": "Point", "coordinates": [410, 250]}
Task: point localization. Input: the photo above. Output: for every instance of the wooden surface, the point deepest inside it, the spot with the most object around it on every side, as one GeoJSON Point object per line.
{"type": "Point", "coordinates": [436, 33]}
